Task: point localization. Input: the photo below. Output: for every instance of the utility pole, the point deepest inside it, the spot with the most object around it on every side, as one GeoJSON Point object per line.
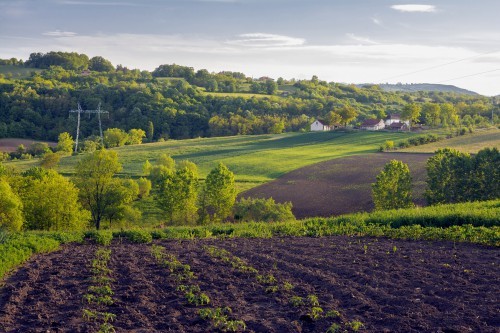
{"type": "Point", "coordinates": [80, 111]}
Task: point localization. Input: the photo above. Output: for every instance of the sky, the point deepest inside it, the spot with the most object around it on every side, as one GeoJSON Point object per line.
{"type": "Point", "coordinates": [350, 41]}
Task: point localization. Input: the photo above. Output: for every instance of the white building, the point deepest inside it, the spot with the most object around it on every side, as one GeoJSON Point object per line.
{"type": "Point", "coordinates": [317, 126]}
{"type": "Point", "coordinates": [395, 118]}
{"type": "Point", "coordinates": [373, 124]}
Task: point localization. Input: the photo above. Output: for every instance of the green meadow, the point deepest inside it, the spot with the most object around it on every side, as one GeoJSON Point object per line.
{"type": "Point", "coordinates": [253, 159]}
{"type": "Point", "coordinates": [469, 143]}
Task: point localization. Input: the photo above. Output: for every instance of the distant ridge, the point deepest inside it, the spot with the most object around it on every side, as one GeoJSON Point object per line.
{"type": "Point", "coordinates": [413, 87]}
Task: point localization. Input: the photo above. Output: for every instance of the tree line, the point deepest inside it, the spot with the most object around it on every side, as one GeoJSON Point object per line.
{"type": "Point", "coordinates": [42, 199]}
{"type": "Point", "coordinates": [174, 101]}
{"type": "Point", "coordinates": [452, 177]}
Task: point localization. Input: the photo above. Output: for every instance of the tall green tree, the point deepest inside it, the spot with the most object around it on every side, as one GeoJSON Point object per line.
{"type": "Point", "coordinates": [178, 196]}
{"type": "Point", "coordinates": [485, 182]}
{"type": "Point", "coordinates": [448, 177]}
{"type": "Point", "coordinates": [94, 178]}
{"type": "Point", "coordinates": [392, 189]}
{"type": "Point", "coordinates": [219, 195]}
{"type": "Point", "coordinates": [51, 203]}
{"type": "Point", "coordinates": [348, 113]}
{"type": "Point", "coordinates": [114, 137]}
{"type": "Point", "coordinates": [11, 206]}
{"type": "Point", "coordinates": [411, 112]}
{"type": "Point", "coordinates": [65, 143]}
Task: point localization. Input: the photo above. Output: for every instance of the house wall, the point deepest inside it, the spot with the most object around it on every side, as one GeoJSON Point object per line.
{"type": "Point", "coordinates": [317, 126]}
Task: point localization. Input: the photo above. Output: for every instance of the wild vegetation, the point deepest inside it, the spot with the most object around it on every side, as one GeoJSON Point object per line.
{"type": "Point", "coordinates": [176, 101]}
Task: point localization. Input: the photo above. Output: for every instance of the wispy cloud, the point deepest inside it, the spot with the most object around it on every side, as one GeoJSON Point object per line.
{"type": "Point", "coordinates": [266, 40]}
{"type": "Point", "coordinates": [59, 33]}
{"type": "Point", "coordinates": [377, 21]}
{"type": "Point", "coordinates": [412, 8]}
{"type": "Point", "coordinates": [360, 39]}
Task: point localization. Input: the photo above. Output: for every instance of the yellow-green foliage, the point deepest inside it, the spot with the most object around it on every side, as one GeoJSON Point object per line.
{"type": "Point", "coordinates": [11, 216]}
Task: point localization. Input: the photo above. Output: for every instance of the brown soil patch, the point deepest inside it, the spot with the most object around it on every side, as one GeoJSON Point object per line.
{"type": "Point", "coordinates": [339, 186]}
{"type": "Point", "coordinates": [388, 285]}
{"type": "Point", "coordinates": [10, 145]}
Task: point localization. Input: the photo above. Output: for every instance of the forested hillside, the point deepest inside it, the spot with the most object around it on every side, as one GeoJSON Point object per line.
{"type": "Point", "coordinates": [181, 102]}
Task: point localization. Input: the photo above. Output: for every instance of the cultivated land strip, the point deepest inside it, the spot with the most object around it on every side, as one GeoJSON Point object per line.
{"type": "Point", "coordinates": [46, 293]}
{"type": "Point", "coordinates": [416, 286]}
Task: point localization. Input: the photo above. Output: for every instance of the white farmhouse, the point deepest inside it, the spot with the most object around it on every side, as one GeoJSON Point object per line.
{"type": "Point", "coordinates": [395, 118]}
{"type": "Point", "coordinates": [317, 125]}
{"type": "Point", "coordinates": [373, 124]}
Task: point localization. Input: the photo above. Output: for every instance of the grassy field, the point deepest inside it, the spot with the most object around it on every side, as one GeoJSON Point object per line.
{"type": "Point", "coordinates": [253, 159]}
{"type": "Point", "coordinates": [470, 143]}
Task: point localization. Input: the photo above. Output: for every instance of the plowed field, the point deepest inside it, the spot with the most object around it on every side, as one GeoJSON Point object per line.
{"type": "Point", "coordinates": [388, 285]}
{"type": "Point", "coordinates": [339, 186]}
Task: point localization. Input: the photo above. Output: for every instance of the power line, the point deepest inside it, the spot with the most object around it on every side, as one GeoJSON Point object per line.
{"type": "Point", "coordinates": [475, 74]}
{"type": "Point", "coordinates": [438, 66]}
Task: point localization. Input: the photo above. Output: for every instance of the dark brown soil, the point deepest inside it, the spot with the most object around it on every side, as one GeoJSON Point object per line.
{"type": "Point", "coordinates": [388, 285]}
{"type": "Point", "coordinates": [10, 145]}
{"type": "Point", "coordinates": [339, 186]}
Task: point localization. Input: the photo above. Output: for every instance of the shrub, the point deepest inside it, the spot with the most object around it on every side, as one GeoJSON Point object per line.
{"type": "Point", "coordinates": [262, 210]}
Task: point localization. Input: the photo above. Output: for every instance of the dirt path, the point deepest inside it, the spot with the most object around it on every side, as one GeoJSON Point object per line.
{"type": "Point", "coordinates": [339, 186]}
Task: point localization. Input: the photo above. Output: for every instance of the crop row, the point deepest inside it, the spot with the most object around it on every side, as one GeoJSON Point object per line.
{"type": "Point", "coordinates": [310, 304]}
{"type": "Point", "coordinates": [99, 294]}
{"type": "Point", "coordinates": [185, 282]}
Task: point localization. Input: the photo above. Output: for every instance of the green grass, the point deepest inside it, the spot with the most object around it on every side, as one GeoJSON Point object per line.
{"type": "Point", "coordinates": [253, 159]}
{"type": "Point", "coordinates": [469, 143]}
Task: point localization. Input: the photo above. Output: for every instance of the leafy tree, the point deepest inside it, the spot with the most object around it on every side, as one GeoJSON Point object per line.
{"type": "Point", "coordinates": [99, 64]}
{"type": "Point", "coordinates": [114, 137]}
{"type": "Point", "coordinates": [11, 214]}
{"type": "Point", "coordinates": [431, 113]}
{"type": "Point", "coordinates": [271, 87]}
{"type": "Point", "coordinates": [166, 161]}
{"type": "Point", "coordinates": [178, 195]}
{"type": "Point", "coordinates": [146, 168]}
{"type": "Point", "coordinates": [94, 178]}
{"type": "Point", "coordinates": [135, 136]}
{"type": "Point", "coordinates": [65, 143]}
{"type": "Point", "coordinates": [332, 118]}
{"type": "Point", "coordinates": [50, 160]}
{"type": "Point", "coordinates": [392, 189]}
{"type": "Point", "coordinates": [411, 112]}
{"type": "Point", "coordinates": [347, 113]}
{"type": "Point", "coordinates": [51, 203]}
{"type": "Point", "coordinates": [485, 182]}
{"type": "Point", "coordinates": [144, 187]}
{"type": "Point", "coordinates": [188, 164]}
{"type": "Point", "coordinates": [118, 198]}
{"type": "Point", "coordinates": [219, 194]}
{"type": "Point", "coordinates": [38, 149]}
{"type": "Point", "coordinates": [150, 131]}
{"type": "Point", "coordinates": [448, 177]}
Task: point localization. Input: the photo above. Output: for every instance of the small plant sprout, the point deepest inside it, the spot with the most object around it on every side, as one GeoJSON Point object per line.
{"type": "Point", "coordinates": [334, 328]}
{"type": "Point", "coordinates": [108, 316]}
{"type": "Point", "coordinates": [365, 248]}
{"type": "Point", "coordinates": [287, 286]}
{"type": "Point", "coordinates": [296, 301]}
{"type": "Point", "coordinates": [89, 315]}
{"type": "Point", "coordinates": [315, 312]}
{"type": "Point", "coordinates": [272, 289]}
{"type": "Point", "coordinates": [332, 314]}
{"type": "Point", "coordinates": [356, 325]}
{"type": "Point", "coordinates": [106, 328]}
{"type": "Point", "coordinates": [394, 249]}
{"type": "Point", "coordinates": [313, 300]}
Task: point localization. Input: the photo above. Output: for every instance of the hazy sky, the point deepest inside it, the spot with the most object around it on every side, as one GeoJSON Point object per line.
{"type": "Point", "coordinates": [353, 41]}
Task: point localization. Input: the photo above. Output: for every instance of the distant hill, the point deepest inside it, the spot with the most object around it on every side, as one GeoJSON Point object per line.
{"type": "Point", "coordinates": [413, 87]}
